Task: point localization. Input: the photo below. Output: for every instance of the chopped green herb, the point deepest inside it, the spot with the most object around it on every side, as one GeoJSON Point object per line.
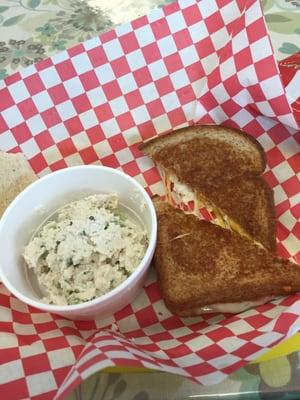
{"type": "Point", "coordinates": [56, 247]}
{"type": "Point", "coordinates": [44, 255]}
{"type": "Point", "coordinates": [69, 262]}
{"type": "Point", "coordinates": [106, 226]}
{"type": "Point", "coordinates": [108, 260]}
{"type": "Point", "coordinates": [45, 269]}
{"type": "Point", "coordinates": [124, 271]}
{"type": "Point", "coordinates": [76, 265]}
{"type": "Point", "coordinates": [92, 218]}
{"type": "Point", "coordinates": [71, 223]}
{"type": "Point", "coordinates": [112, 283]}
{"type": "Point", "coordinates": [83, 233]}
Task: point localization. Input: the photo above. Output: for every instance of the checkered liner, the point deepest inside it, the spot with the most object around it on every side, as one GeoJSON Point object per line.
{"type": "Point", "coordinates": [93, 104]}
{"type": "Point", "coordinates": [290, 73]}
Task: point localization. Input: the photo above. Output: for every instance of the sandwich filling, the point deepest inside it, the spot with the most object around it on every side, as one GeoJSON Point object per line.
{"type": "Point", "coordinates": [178, 193]}
{"type": "Point", "coordinates": [230, 308]}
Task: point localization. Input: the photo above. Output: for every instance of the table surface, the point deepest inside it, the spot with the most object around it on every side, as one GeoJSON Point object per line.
{"type": "Point", "coordinates": [35, 29]}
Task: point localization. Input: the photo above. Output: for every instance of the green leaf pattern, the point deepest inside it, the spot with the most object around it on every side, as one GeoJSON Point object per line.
{"type": "Point", "coordinates": [59, 24]}
{"type": "Point", "coordinates": [3, 73]}
{"type": "Point", "coordinates": [13, 20]}
{"type": "Point", "coordinates": [284, 19]}
{"type": "Point", "coordinates": [271, 18]}
{"type": "Point", "coordinates": [3, 8]}
{"type": "Point", "coordinates": [276, 379]}
{"type": "Point", "coordinates": [289, 48]}
{"type": "Point", "coordinates": [33, 3]}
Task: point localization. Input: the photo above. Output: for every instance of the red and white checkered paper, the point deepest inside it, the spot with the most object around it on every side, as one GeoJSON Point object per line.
{"type": "Point", "coordinates": [290, 74]}
{"type": "Point", "coordinates": [192, 61]}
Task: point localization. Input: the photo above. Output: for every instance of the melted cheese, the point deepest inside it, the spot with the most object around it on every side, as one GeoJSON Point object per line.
{"type": "Point", "coordinates": [236, 227]}
{"type": "Point", "coordinates": [231, 308]}
{"type": "Point", "coordinates": [181, 193]}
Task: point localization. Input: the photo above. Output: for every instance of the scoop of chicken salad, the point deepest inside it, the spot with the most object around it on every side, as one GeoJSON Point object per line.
{"type": "Point", "coordinates": [88, 249]}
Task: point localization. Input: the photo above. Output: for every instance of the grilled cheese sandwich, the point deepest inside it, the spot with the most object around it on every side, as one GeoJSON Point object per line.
{"type": "Point", "coordinates": [218, 168]}
{"type": "Point", "coordinates": [181, 193]}
{"type": "Point", "coordinates": [202, 267]}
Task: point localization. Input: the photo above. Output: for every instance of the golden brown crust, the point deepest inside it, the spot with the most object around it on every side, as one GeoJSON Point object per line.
{"type": "Point", "coordinates": [225, 173]}
{"type": "Point", "coordinates": [199, 263]}
{"type": "Point", "coordinates": [250, 203]}
{"type": "Point", "coordinates": [164, 140]}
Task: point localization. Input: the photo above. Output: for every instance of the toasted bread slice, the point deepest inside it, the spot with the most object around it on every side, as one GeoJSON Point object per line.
{"type": "Point", "coordinates": [247, 207]}
{"type": "Point", "coordinates": [200, 264]}
{"type": "Point", "coordinates": [15, 175]}
{"type": "Point", "coordinates": [220, 168]}
{"type": "Point", "coordinates": [210, 152]}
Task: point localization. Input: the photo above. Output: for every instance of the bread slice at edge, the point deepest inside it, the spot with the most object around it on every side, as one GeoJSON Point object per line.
{"type": "Point", "coordinates": [284, 281]}
{"type": "Point", "coordinates": [15, 174]}
{"type": "Point", "coordinates": [218, 132]}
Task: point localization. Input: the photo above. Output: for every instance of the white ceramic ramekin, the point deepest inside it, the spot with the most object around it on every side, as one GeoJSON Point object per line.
{"type": "Point", "coordinates": [45, 196]}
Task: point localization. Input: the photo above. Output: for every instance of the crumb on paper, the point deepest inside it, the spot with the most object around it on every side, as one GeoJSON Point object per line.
{"type": "Point", "coordinates": [114, 327]}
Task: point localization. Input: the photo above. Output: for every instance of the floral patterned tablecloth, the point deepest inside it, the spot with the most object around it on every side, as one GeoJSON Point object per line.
{"type": "Point", "coordinates": [31, 30]}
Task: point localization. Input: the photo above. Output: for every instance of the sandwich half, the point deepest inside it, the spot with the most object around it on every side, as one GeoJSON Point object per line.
{"type": "Point", "coordinates": [15, 175]}
{"type": "Point", "coordinates": [203, 267]}
{"type": "Point", "coordinates": [219, 168]}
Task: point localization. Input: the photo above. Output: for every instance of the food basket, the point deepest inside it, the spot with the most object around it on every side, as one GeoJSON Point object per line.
{"type": "Point", "coordinates": [208, 61]}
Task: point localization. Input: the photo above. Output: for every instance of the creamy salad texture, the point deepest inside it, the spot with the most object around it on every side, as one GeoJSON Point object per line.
{"type": "Point", "coordinates": [86, 251]}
